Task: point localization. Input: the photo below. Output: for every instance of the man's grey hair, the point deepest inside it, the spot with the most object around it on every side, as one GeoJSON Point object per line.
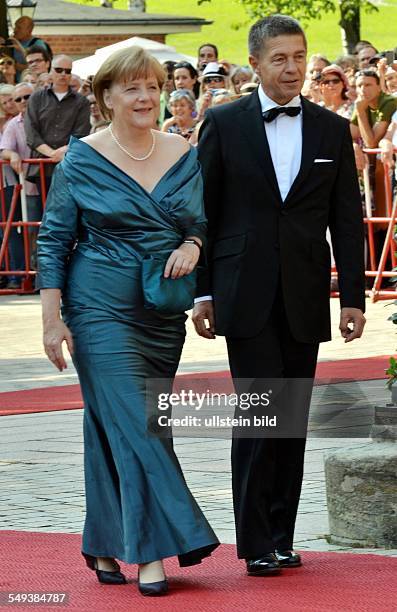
{"type": "Point", "coordinates": [270, 27]}
{"type": "Point", "coordinates": [23, 84]}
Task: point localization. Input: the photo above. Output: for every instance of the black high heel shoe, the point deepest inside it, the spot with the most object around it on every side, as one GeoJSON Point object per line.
{"type": "Point", "coordinates": [105, 576]}
{"type": "Point", "coordinates": [153, 588]}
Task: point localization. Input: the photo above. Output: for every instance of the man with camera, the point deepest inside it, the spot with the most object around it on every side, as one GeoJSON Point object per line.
{"type": "Point", "coordinates": [23, 39]}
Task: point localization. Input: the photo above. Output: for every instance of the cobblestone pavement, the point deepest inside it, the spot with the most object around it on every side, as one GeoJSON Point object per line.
{"type": "Point", "coordinates": [41, 470]}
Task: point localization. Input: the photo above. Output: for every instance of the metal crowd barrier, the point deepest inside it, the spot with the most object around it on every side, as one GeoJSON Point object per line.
{"type": "Point", "coordinates": [375, 268]}
{"type": "Point", "coordinates": [7, 223]}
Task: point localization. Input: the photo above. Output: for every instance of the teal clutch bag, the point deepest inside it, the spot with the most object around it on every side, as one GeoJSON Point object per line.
{"type": "Point", "coordinates": [166, 295]}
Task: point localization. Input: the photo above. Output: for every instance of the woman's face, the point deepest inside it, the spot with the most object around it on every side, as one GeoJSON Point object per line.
{"type": "Point", "coordinates": [8, 104]}
{"type": "Point", "coordinates": [181, 109]}
{"type": "Point", "coordinates": [240, 79]}
{"type": "Point", "coordinates": [213, 82]}
{"type": "Point", "coordinates": [30, 78]}
{"type": "Point", "coordinates": [7, 67]}
{"type": "Point", "coordinates": [136, 101]}
{"type": "Point", "coordinates": [391, 83]}
{"type": "Point", "coordinates": [332, 85]}
{"type": "Point", "coordinates": [183, 80]}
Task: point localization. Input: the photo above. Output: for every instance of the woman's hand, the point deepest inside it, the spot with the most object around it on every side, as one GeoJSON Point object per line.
{"type": "Point", "coordinates": [53, 335]}
{"type": "Point", "coordinates": [182, 261]}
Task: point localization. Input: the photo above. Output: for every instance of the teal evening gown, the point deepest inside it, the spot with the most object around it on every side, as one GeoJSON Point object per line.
{"type": "Point", "coordinates": [98, 224]}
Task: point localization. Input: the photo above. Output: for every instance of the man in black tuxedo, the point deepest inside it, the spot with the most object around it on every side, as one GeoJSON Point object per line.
{"type": "Point", "coordinates": [278, 170]}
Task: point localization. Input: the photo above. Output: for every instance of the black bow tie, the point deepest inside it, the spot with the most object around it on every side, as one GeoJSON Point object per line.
{"type": "Point", "coordinates": [271, 114]}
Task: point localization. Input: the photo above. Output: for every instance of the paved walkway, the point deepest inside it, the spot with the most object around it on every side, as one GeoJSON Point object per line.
{"type": "Point", "coordinates": [41, 471]}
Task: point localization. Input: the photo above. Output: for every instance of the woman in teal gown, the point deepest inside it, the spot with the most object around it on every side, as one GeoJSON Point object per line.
{"type": "Point", "coordinates": [98, 225]}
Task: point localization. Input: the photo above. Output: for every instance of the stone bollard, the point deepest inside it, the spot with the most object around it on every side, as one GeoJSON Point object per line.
{"type": "Point", "coordinates": [361, 484]}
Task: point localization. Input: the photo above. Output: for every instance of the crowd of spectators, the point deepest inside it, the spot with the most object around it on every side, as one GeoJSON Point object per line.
{"type": "Point", "coordinates": [43, 104]}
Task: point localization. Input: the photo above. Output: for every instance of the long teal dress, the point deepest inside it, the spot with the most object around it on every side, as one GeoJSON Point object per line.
{"type": "Point", "coordinates": [98, 224]}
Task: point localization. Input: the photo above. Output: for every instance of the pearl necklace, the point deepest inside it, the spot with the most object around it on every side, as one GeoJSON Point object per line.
{"type": "Point", "coordinates": [127, 152]}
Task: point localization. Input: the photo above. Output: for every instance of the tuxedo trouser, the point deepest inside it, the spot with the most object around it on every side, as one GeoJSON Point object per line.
{"type": "Point", "coordinates": [267, 472]}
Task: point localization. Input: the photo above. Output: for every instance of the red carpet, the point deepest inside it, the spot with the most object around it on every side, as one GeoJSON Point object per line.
{"type": "Point", "coordinates": [337, 582]}
{"type": "Point", "coordinates": [68, 397]}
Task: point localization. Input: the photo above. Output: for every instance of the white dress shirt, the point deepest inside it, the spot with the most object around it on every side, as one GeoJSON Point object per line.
{"type": "Point", "coordinates": [284, 135]}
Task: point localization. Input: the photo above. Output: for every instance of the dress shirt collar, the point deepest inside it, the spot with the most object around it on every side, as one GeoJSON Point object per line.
{"type": "Point", "coordinates": [50, 91]}
{"type": "Point", "coordinates": [267, 103]}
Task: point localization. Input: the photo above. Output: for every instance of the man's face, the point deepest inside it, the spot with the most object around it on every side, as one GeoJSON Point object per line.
{"type": "Point", "coordinates": [281, 67]}
{"type": "Point", "coordinates": [21, 97]}
{"type": "Point", "coordinates": [23, 28]}
{"type": "Point", "coordinates": [61, 72]}
{"type": "Point", "coordinates": [364, 56]}
{"type": "Point", "coordinates": [37, 63]}
{"type": "Point", "coordinates": [368, 88]}
{"type": "Point", "coordinates": [315, 67]}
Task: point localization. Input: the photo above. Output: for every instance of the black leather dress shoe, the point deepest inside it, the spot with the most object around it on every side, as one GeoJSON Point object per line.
{"type": "Point", "coordinates": [104, 576]}
{"type": "Point", "coordinates": [288, 558]}
{"type": "Point", "coordinates": [263, 566]}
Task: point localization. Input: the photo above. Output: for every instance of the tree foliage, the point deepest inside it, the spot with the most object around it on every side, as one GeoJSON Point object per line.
{"type": "Point", "coordinates": [302, 10]}
{"type": "Point", "coordinates": [307, 10]}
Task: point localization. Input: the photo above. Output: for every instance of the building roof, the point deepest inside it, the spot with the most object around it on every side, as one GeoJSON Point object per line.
{"type": "Point", "coordinates": [57, 12]}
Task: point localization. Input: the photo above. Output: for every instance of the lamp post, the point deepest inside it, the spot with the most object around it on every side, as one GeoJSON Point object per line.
{"type": "Point", "coordinates": [3, 19]}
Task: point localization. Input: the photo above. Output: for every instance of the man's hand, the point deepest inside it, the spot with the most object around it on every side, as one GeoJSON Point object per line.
{"type": "Point", "coordinates": [386, 155]}
{"type": "Point", "coordinates": [15, 162]}
{"type": "Point", "coordinates": [361, 105]}
{"type": "Point", "coordinates": [58, 154]}
{"type": "Point", "coordinates": [202, 312]}
{"type": "Point", "coordinates": [355, 316]}
{"type": "Point", "coordinates": [360, 157]}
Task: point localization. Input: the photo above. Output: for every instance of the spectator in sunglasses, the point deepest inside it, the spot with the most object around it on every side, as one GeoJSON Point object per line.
{"type": "Point", "coordinates": [334, 87]}
{"type": "Point", "coordinates": [13, 147]}
{"type": "Point", "coordinates": [214, 77]}
{"type": "Point", "coordinates": [7, 67]}
{"type": "Point", "coordinates": [54, 115]}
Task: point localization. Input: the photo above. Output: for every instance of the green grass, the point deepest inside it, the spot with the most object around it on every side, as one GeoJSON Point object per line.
{"type": "Point", "coordinates": [323, 34]}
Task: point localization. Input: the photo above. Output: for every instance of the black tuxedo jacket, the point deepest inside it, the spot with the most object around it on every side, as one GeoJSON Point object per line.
{"type": "Point", "coordinates": [255, 239]}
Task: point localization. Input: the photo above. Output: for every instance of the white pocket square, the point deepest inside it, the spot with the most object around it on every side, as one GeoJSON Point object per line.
{"type": "Point", "coordinates": [322, 161]}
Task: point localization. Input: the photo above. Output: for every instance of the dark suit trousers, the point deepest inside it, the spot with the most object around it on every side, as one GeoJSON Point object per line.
{"type": "Point", "coordinates": [267, 472]}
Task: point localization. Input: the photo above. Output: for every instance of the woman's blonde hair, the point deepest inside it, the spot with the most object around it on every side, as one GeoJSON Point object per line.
{"type": "Point", "coordinates": [127, 64]}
